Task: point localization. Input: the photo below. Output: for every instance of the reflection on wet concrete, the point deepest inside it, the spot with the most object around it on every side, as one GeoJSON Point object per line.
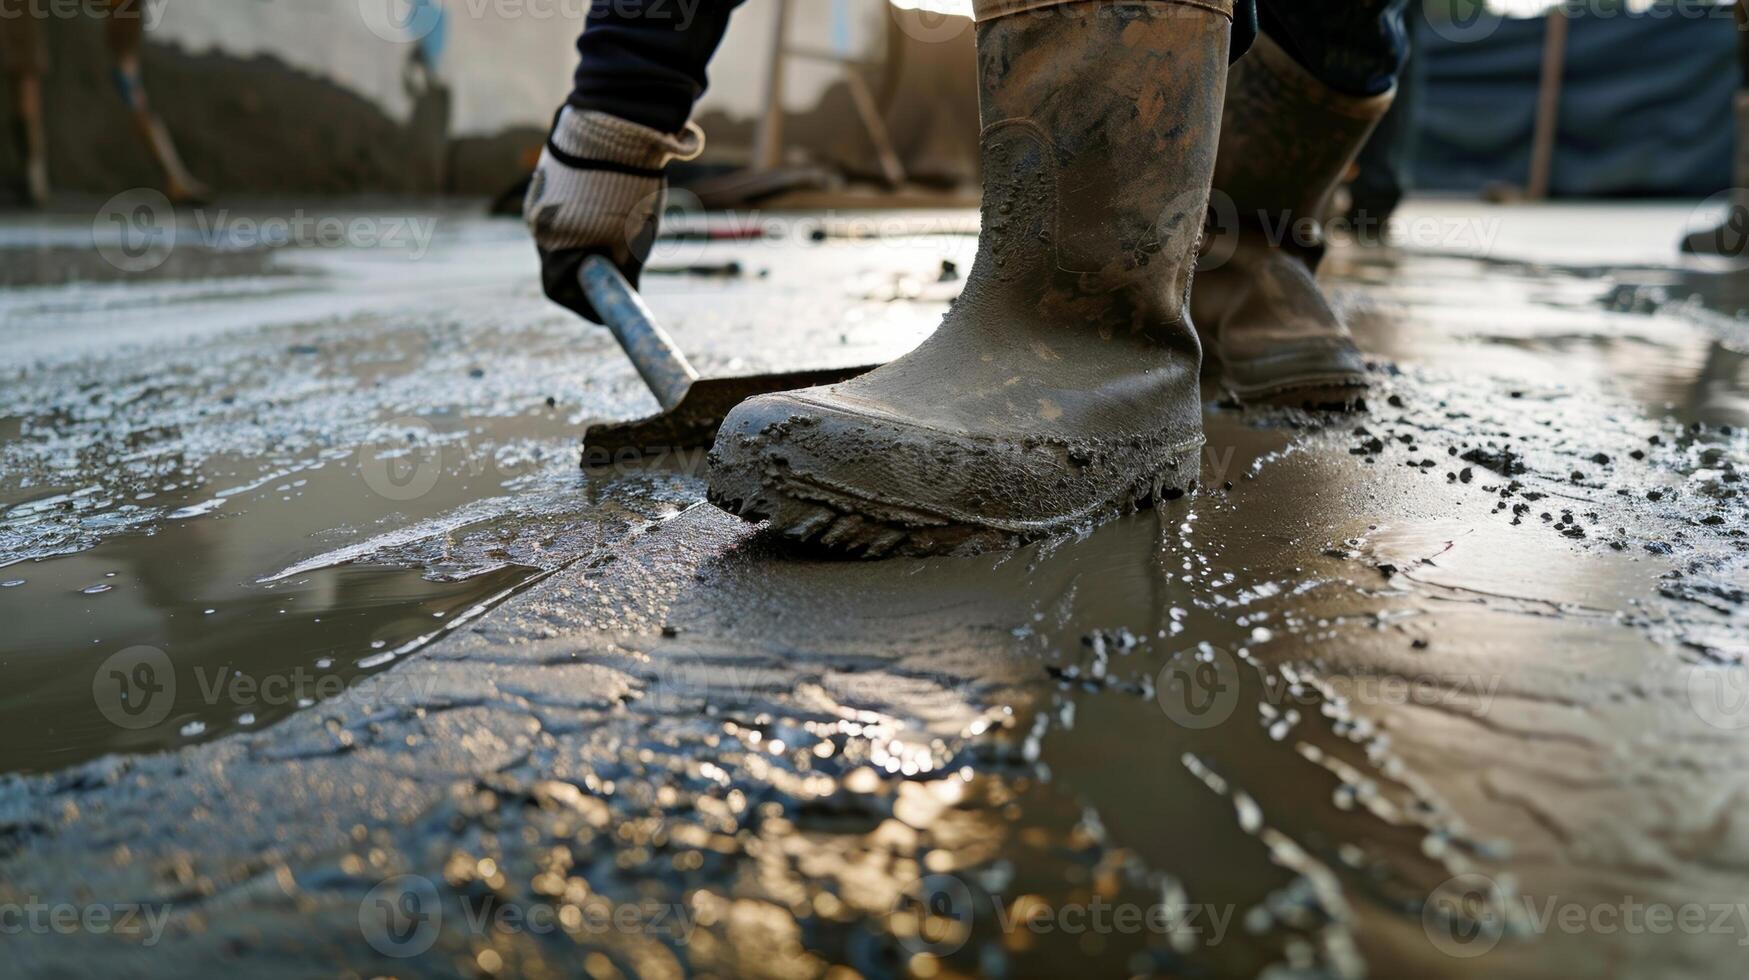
{"type": "Point", "coordinates": [161, 494]}
{"type": "Point", "coordinates": [1445, 687]}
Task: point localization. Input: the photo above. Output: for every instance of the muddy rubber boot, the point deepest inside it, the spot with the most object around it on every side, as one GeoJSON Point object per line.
{"type": "Point", "coordinates": [1731, 239]}
{"type": "Point", "coordinates": [1062, 388]}
{"type": "Point", "coordinates": [1286, 139]}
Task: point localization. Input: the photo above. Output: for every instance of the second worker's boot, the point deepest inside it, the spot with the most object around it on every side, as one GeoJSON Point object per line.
{"type": "Point", "coordinates": [1286, 139]}
{"type": "Point", "coordinates": [1062, 388]}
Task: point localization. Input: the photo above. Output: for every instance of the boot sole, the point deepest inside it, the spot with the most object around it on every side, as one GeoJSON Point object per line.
{"type": "Point", "coordinates": [1338, 390]}
{"type": "Point", "coordinates": [811, 516]}
{"type": "Point", "coordinates": [1330, 393]}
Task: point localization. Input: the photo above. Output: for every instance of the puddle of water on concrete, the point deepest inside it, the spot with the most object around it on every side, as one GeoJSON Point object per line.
{"type": "Point", "coordinates": [244, 657]}
{"type": "Point", "coordinates": [303, 572]}
{"type": "Point", "coordinates": [200, 501]}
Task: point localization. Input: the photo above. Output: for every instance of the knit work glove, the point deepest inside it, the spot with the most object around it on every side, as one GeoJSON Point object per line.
{"type": "Point", "coordinates": [599, 190]}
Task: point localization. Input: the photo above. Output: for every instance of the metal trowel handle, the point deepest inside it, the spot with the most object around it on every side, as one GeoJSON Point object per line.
{"type": "Point", "coordinates": [650, 348]}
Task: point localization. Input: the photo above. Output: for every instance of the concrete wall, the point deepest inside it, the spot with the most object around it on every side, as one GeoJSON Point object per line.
{"type": "Point", "coordinates": [328, 39]}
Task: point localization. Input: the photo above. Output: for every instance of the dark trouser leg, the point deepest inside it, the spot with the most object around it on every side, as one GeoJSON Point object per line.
{"type": "Point", "coordinates": [1356, 47]}
{"type": "Point", "coordinates": [1244, 27]}
{"type": "Point", "coordinates": [1386, 162]}
{"type": "Point", "coordinates": [1743, 39]}
{"type": "Point", "coordinates": [1385, 165]}
{"type": "Point", "coordinates": [1729, 239]}
{"type": "Point", "coordinates": [645, 60]}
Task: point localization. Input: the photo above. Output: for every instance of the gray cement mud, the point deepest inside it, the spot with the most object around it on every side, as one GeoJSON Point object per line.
{"type": "Point", "coordinates": [1447, 687]}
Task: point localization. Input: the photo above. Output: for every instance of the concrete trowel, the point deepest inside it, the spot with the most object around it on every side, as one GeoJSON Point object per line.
{"type": "Point", "coordinates": [692, 407]}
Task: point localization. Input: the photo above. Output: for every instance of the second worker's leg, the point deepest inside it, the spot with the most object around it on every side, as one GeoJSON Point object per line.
{"type": "Point", "coordinates": [125, 29]}
{"type": "Point", "coordinates": [1299, 108]}
{"type": "Point", "coordinates": [24, 59]}
{"type": "Point", "coordinates": [29, 137]}
{"type": "Point", "coordinates": [1061, 389]}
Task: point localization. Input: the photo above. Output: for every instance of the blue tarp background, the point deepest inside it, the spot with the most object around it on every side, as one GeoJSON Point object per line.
{"type": "Point", "coordinates": [1646, 108]}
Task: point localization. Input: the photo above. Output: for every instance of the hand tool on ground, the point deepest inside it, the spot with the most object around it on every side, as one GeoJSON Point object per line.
{"type": "Point", "coordinates": [692, 407]}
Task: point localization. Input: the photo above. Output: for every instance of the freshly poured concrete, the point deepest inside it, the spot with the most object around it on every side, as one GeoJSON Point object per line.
{"type": "Point", "coordinates": [1450, 687]}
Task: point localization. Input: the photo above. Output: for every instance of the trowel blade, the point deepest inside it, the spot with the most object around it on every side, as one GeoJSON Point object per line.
{"type": "Point", "coordinates": [693, 424]}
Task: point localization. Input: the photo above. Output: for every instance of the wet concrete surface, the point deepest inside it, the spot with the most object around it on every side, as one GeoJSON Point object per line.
{"type": "Point", "coordinates": [1452, 686]}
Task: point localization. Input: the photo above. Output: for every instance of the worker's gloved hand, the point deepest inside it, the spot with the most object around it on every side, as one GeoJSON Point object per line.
{"type": "Point", "coordinates": [598, 190]}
